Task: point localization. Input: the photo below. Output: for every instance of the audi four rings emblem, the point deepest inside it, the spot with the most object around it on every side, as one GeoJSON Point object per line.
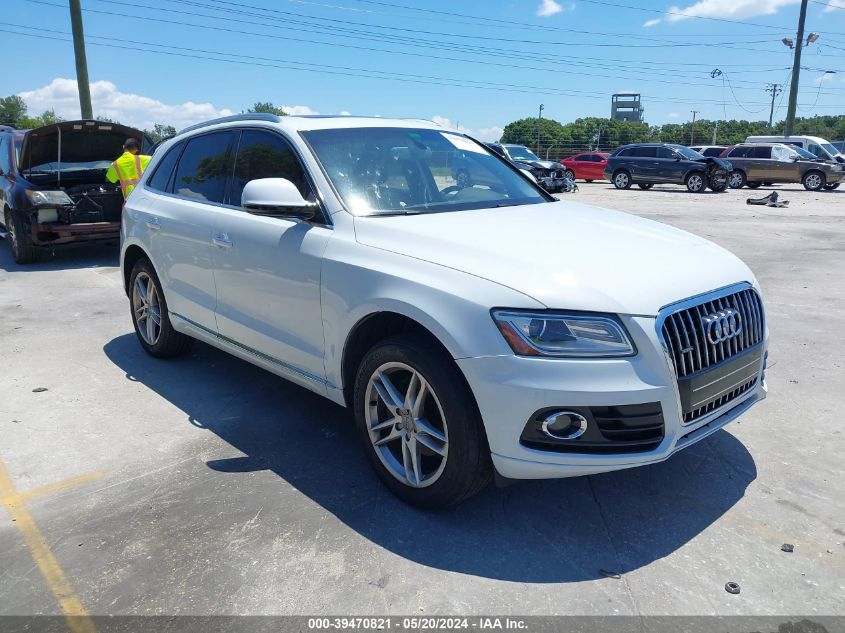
{"type": "Point", "coordinates": [722, 326]}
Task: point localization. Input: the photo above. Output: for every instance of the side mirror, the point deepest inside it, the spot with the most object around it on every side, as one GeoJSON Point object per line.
{"type": "Point", "coordinates": [277, 198]}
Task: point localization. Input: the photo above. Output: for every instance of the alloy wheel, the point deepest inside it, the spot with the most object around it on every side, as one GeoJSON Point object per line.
{"type": "Point", "coordinates": [146, 308]}
{"type": "Point", "coordinates": [813, 181]}
{"type": "Point", "coordinates": [406, 424]}
{"type": "Point", "coordinates": [695, 183]}
{"type": "Point", "coordinates": [569, 174]}
{"type": "Point", "coordinates": [621, 180]}
{"type": "Point", "coordinates": [10, 231]}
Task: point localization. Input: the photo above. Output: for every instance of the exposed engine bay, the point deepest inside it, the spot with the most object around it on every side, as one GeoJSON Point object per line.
{"type": "Point", "coordinates": [92, 203]}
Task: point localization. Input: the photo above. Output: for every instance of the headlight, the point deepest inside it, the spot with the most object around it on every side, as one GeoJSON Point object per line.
{"type": "Point", "coordinates": [563, 335]}
{"type": "Point", "coordinates": [48, 198]}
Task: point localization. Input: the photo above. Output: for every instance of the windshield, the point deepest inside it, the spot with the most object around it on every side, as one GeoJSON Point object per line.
{"type": "Point", "coordinates": [829, 148]}
{"type": "Point", "coordinates": [689, 154]}
{"type": "Point", "coordinates": [518, 152]}
{"type": "Point", "coordinates": [803, 153]}
{"type": "Point", "coordinates": [387, 171]}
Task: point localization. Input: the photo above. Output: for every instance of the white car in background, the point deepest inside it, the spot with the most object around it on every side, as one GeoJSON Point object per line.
{"type": "Point", "coordinates": [471, 328]}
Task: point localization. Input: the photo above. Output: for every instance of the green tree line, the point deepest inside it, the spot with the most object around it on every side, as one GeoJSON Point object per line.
{"type": "Point", "coordinates": [557, 140]}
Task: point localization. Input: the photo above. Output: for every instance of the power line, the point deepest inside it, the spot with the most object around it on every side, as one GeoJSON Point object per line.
{"type": "Point", "coordinates": [333, 70]}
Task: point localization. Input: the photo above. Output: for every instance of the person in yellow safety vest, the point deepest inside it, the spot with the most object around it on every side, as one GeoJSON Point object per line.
{"type": "Point", "coordinates": [129, 167]}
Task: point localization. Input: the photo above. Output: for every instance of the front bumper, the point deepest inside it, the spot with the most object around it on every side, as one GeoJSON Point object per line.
{"type": "Point", "coordinates": [509, 389]}
{"type": "Point", "coordinates": [57, 233]}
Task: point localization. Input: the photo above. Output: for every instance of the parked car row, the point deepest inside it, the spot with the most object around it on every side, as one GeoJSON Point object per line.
{"type": "Point", "coordinates": [761, 160]}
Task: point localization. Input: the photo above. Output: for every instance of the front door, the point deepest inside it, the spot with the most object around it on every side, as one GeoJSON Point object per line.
{"type": "Point", "coordinates": [267, 270]}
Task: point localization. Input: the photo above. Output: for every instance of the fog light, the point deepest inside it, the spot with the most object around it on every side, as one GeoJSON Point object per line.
{"type": "Point", "coordinates": [564, 425]}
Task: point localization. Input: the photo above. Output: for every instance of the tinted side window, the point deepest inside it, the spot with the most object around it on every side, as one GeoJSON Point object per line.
{"type": "Point", "coordinates": [5, 160]}
{"type": "Point", "coordinates": [266, 155]}
{"type": "Point", "coordinates": [815, 149]}
{"type": "Point", "coordinates": [738, 152]}
{"type": "Point", "coordinates": [161, 177]}
{"type": "Point", "coordinates": [664, 152]}
{"type": "Point", "coordinates": [761, 151]}
{"type": "Point", "coordinates": [204, 167]}
{"type": "Point", "coordinates": [645, 152]}
{"type": "Point", "coordinates": [583, 158]}
{"type": "Point", "coordinates": [626, 152]}
{"type": "Point", "coordinates": [712, 151]}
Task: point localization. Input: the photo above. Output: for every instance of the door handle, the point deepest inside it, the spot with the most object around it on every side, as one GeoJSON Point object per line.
{"type": "Point", "coordinates": [222, 240]}
{"type": "Point", "coordinates": [153, 223]}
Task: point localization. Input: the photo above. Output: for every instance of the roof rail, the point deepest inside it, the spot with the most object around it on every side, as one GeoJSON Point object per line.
{"type": "Point", "coordinates": [249, 116]}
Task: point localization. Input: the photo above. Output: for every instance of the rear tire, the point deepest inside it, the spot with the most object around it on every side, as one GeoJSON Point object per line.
{"type": "Point", "coordinates": [645, 186]}
{"type": "Point", "coordinates": [736, 179]}
{"type": "Point", "coordinates": [696, 182]}
{"type": "Point", "coordinates": [150, 315]}
{"type": "Point", "coordinates": [588, 180]}
{"type": "Point", "coordinates": [622, 179]}
{"type": "Point", "coordinates": [829, 187]}
{"type": "Point", "coordinates": [754, 185]}
{"type": "Point", "coordinates": [400, 439]}
{"type": "Point", "coordinates": [20, 240]}
{"type": "Point", "coordinates": [814, 181]}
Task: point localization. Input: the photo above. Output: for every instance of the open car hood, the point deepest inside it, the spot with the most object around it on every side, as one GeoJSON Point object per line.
{"type": "Point", "coordinates": [80, 141]}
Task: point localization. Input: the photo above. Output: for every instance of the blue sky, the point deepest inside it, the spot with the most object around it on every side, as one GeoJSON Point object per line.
{"type": "Point", "coordinates": [476, 63]}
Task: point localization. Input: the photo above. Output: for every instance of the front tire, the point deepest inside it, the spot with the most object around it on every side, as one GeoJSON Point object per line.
{"type": "Point", "coordinates": [622, 179]}
{"type": "Point", "coordinates": [814, 181]}
{"type": "Point", "coordinates": [753, 185]}
{"type": "Point", "coordinates": [419, 424]}
{"type": "Point", "coordinates": [568, 173]}
{"type": "Point", "coordinates": [150, 315]}
{"type": "Point", "coordinates": [736, 179]}
{"type": "Point", "coordinates": [20, 240]}
{"type": "Point", "coordinates": [645, 186]}
{"type": "Point", "coordinates": [696, 182]}
{"type": "Point", "coordinates": [832, 187]}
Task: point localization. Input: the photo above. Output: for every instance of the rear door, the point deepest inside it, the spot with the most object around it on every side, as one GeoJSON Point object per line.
{"type": "Point", "coordinates": [267, 269]}
{"type": "Point", "coordinates": [644, 164]}
{"type": "Point", "coordinates": [179, 223]}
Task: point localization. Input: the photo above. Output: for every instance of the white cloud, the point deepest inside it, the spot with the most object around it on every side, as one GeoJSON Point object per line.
{"type": "Point", "coordinates": [823, 78]}
{"type": "Point", "coordinates": [108, 101]}
{"type": "Point", "coordinates": [298, 110]}
{"type": "Point", "coordinates": [488, 134]}
{"type": "Point", "coordinates": [834, 4]}
{"type": "Point", "coordinates": [653, 22]}
{"type": "Point", "coordinates": [548, 7]}
{"type": "Point", "coordinates": [729, 9]}
{"type": "Point", "coordinates": [345, 113]}
{"type": "Point", "coordinates": [674, 115]}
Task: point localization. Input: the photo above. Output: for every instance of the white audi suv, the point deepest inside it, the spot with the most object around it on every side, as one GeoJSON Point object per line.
{"type": "Point", "coordinates": [473, 327]}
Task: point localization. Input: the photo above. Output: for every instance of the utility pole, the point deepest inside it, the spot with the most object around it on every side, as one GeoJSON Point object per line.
{"type": "Point", "coordinates": [715, 129]}
{"type": "Point", "coordinates": [539, 119]}
{"type": "Point", "coordinates": [81, 60]}
{"type": "Point", "coordinates": [796, 71]}
{"type": "Point", "coordinates": [692, 127]}
{"type": "Point", "coordinates": [774, 90]}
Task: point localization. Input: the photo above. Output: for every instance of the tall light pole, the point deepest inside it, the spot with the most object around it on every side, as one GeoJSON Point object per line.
{"type": "Point", "coordinates": [774, 90]}
{"type": "Point", "coordinates": [796, 70]}
{"type": "Point", "coordinates": [692, 127]}
{"type": "Point", "coordinates": [540, 118]}
{"type": "Point", "coordinates": [81, 61]}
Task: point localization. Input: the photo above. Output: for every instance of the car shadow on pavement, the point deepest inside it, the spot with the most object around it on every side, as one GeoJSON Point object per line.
{"type": "Point", "coordinates": [81, 256]}
{"type": "Point", "coordinates": [541, 531]}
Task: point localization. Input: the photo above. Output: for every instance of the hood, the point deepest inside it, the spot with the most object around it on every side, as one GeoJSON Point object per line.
{"type": "Point", "coordinates": [566, 255]}
{"type": "Point", "coordinates": [539, 164]}
{"type": "Point", "coordinates": [81, 142]}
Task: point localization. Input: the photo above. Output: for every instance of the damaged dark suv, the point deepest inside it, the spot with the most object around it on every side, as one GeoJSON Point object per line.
{"type": "Point", "coordinates": [647, 164]}
{"type": "Point", "coordinates": [53, 188]}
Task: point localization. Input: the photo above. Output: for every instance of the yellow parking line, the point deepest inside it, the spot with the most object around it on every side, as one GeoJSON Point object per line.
{"type": "Point", "coordinates": [59, 485]}
{"type": "Point", "coordinates": [75, 614]}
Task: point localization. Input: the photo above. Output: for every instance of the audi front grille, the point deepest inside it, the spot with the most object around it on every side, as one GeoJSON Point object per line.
{"type": "Point", "coordinates": [716, 349]}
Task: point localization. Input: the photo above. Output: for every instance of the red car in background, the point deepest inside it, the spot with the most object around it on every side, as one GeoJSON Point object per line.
{"type": "Point", "coordinates": [587, 166]}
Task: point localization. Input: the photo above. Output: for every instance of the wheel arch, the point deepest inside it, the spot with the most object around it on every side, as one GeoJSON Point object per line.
{"type": "Point", "coordinates": [131, 255]}
{"type": "Point", "coordinates": [375, 327]}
